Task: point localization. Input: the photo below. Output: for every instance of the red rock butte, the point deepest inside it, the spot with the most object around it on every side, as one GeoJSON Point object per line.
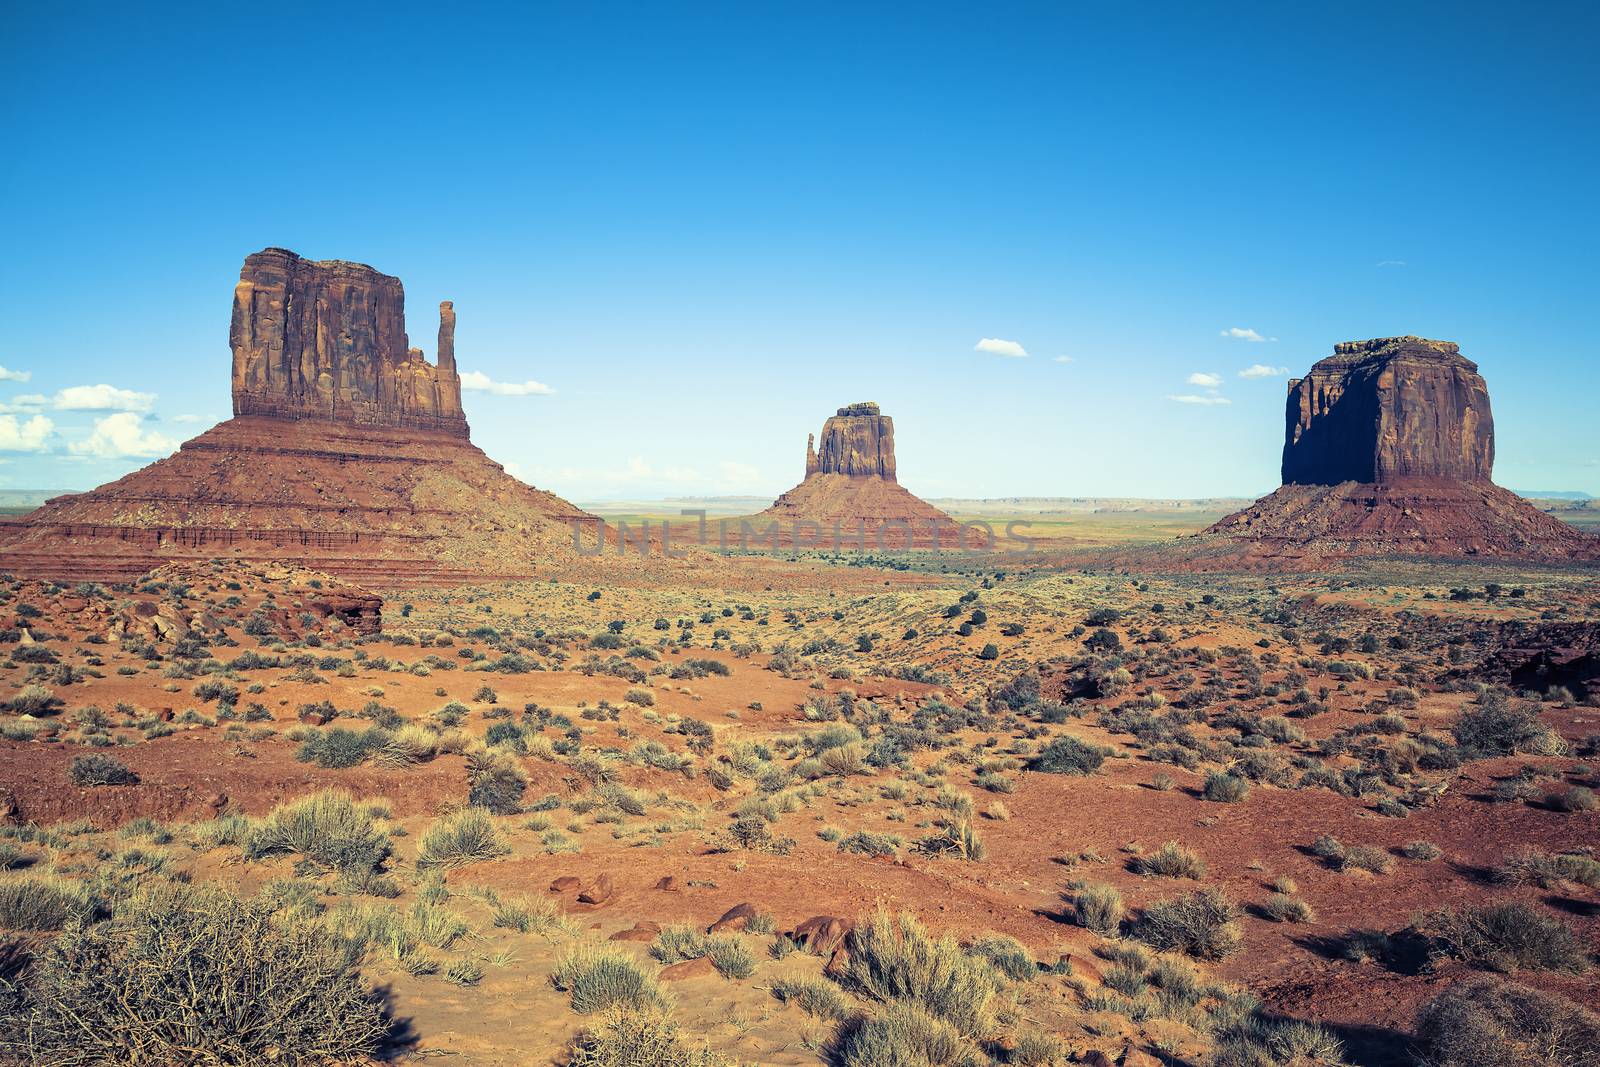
{"type": "Point", "coordinates": [348, 452]}
{"type": "Point", "coordinates": [851, 486]}
{"type": "Point", "coordinates": [1388, 451]}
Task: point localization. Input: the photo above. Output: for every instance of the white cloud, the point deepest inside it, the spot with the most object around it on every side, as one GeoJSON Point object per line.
{"type": "Point", "coordinates": [121, 436]}
{"type": "Point", "coordinates": [27, 436]}
{"type": "Point", "coordinates": [997, 347]}
{"type": "Point", "coordinates": [14, 375]}
{"type": "Point", "coordinates": [479, 382]}
{"type": "Point", "coordinates": [1392, 263]}
{"type": "Point", "coordinates": [189, 418]}
{"type": "Point", "coordinates": [27, 404]}
{"type": "Point", "coordinates": [1261, 370]}
{"type": "Point", "coordinates": [1190, 398]}
{"type": "Point", "coordinates": [102, 398]}
{"type": "Point", "coordinates": [1064, 359]}
{"type": "Point", "coordinates": [1205, 381]}
{"type": "Point", "coordinates": [1239, 334]}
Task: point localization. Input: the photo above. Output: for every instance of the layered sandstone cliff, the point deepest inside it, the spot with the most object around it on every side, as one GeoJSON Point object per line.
{"type": "Point", "coordinates": [1386, 411]}
{"type": "Point", "coordinates": [857, 442]}
{"type": "Point", "coordinates": [327, 340]}
{"type": "Point", "coordinates": [348, 452]}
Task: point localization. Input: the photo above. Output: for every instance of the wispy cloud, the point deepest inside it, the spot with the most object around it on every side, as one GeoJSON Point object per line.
{"type": "Point", "coordinates": [479, 382]}
{"type": "Point", "coordinates": [102, 398]}
{"type": "Point", "coordinates": [30, 436]}
{"type": "Point", "coordinates": [122, 436]}
{"type": "Point", "coordinates": [1261, 370]}
{"type": "Point", "coordinates": [189, 418]}
{"type": "Point", "coordinates": [27, 404]}
{"type": "Point", "coordinates": [1065, 359]}
{"type": "Point", "coordinates": [998, 347]}
{"type": "Point", "coordinates": [14, 375]}
{"type": "Point", "coordinates": [1392, 263]}
{"type": "Point", "coordinates": [1238, 333]}
{"type": "Point", "coordinates": [1205, 381]}
{"type": "Point", "coordinates": [1192, 398]}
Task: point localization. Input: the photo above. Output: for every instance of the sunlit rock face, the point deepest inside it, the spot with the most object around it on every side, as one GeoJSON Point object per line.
{"type": "Point", "coordinates": [327, 340]}
{"type": "Point", "coordinates": [857, 441]}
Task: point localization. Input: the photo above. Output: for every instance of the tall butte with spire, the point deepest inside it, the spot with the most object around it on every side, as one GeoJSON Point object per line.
{"type": "Point", "coordinates": [851, 484]}
{"type": "Point", "coordinates": [1388, 451]}
{"type": "Point", "coordinates": [347, 451]}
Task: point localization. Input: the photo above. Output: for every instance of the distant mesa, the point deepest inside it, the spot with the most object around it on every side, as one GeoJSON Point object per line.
{"type": "Point", "coordinates": [1388, 451]}
{"type": "Point", "coordinates": [851, 485]}
{"type": "Point", "coordinates": [348, 452]}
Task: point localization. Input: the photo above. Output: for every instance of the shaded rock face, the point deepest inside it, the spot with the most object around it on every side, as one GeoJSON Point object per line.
{"type": "Point", "coordinates": [857, 441]}
{"type": "Point", "coordinates": [327, 340]}
{"type": "Point", "coordinates": [1551, 654]}
{"type": "Point", "coordinates": [1388, 411]}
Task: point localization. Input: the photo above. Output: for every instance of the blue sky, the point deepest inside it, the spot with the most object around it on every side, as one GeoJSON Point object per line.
{"type": "Point", "coordinates": [704, 229]}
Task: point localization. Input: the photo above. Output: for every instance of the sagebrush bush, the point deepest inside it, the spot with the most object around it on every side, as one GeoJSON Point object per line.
{"type": "Point", "coordinates": [904, 1034]}
{"type": "Point", "coordinates": [598, 980]}
{"type": "Point", "coordinates": [96, 769]}
{"type": "Point", "coordinates": [253, 989]}
{"type": "Point", "coordinates": [1006, 955]}
{"type": "Point", "coordinates": [1068, 755]}
{"type": "Point", "coordinates": [1498, 727]}
{"type": "Point", "coordinates": [638, 1039]}
{"type": "Point", "coordinates": [814, 996]}
{"type": "Point", "coordinates": [1098, 907]}
{"type": "Point", "coordinates": [1171, 860]}
{"type": "Point", "coordinates": [1488, 1022]}
{"type": "Point", "coordinates": [1225, 788]}
{"type": "Point", "coordinates": [893, 958]}
{"type": "Point", "coordinates": [463, 836]}
{"type": "Point", "coordinates": [328, 828]}
{"type": "Point", "coordinates": [42, 902]}
{"type": "Point", "coordinates": [1201, 924]}
{"type": "Point", "coordinates": [1505, 937]}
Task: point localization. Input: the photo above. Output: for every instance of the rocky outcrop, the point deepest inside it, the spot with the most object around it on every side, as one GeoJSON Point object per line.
{"type": "Point", "coordinates": [327, 340]}
{"type": "Point", "coordinates": [857, 441]}
{"type": "Point", "coordinates": [1386, 411]}
{"type": "Point", "coordinates": [1541, 656]}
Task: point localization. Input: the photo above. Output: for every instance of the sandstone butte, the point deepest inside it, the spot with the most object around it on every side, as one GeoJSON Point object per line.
{"type": "Point", "coordinates": [347, 452]}
{"type": "Point", "coordinates": [851, 486]}
{"type": "Point", "coordinates": [1388, 451]}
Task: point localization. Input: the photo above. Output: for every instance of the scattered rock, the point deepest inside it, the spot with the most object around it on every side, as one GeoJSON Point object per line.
{"type": "Point", "coordinates": [643, 930]}
{"type": "Point", "coordinates": [821, 934]}
{"type": "Point", "coordinates": [669, 884]}
{"type": "Point", "coordinates": [597, 892]}
{"type": "Point", "coordinates": [566, 884]}
{"type": "Point", "coordinates": [735, 918]}
{"type": "Point", "coordinates": [696, 968]}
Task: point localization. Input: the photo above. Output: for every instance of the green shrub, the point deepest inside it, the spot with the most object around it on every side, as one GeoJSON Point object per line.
{"type": "Point", "coordinates": [599, 980]}
{"type": "Point", "coordinates": [254, 989]}
{"type": "Point", "coordinates": [42, 902]}
{"type": "Point", "coordinates": [1068, 755]}
{"type": "Point", "coordinates": [1006, 955]}
{"type": "Point", "coordinates": [678, 942]}
{"type": "Point", "coordinates": [1201, 924]}
{"type": "Point", "coordinates": [1505, 937]}
{"type": "Point", "coordinates": [1098, 907]}
{"type": "Point", "coordinates": [496, 783]}
{"type": "Point", "coordinates": [893, 958]}
{"type": "Point", "coordinates": [642, 697]}
{"type": "Point", "coordinates": [338, 748]}
{"type": "Point", "coordinates": [1487, 1022]}
{"type": "Point", "coordinates": [638, 1039]}
{"type": "Point", "coordinates": [814, 996]}
{"type": "Point", "coordinates": [731, 958]}
{"type": "Point", "coordinates": [1550, 871]}
{"type": "Point", "coordinates": [95, 769]}
{"type": "Point", "coordinates": [1225, 788]}
{"type": "Point", "coordinates": [328, 828]}
{"type": "Point", "coordinates": [1497, 727]}
{"type": "Point", "coordinates": [904, 1035]}
{"type": "Point", "coordinates": [1171, 860]}
{"type": "Point", "coordinates": [464, 836]}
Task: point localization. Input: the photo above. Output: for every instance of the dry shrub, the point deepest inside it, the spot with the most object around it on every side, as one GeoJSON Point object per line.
{"type": "Point", "coordinates": [1487, 1022]}
{"type": "Point", "coordinates": [1505, 937]}
{"type": "Point", "coordinates": [638, 1039]}
{"type": "Point", "coordinates": [328, 828]}
{"type": "Point", "coordinates": [187, 975]}
{"type": "Point", "coordinates": [1200, 924]}
{"type": "Point", "coordinates": [893, 959]}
